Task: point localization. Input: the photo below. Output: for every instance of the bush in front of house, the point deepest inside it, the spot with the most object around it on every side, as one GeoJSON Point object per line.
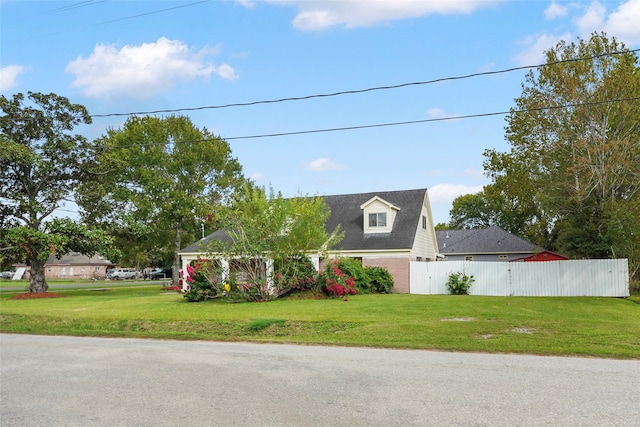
{"type": "Point", "coordinates": [353, 267]}
{"type": "Point", "coordinates": [294, 273]}
{"type": "Point", "coordinates": [380, 280]}
{"type": "Point", "coordinates": [459, 283]}
{"type": "Point", "coordinates": [337, 283]}
{"type": "Point", "coordinates": [202, 283]}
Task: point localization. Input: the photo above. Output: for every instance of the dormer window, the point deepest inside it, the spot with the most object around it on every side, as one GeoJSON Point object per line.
{"type": "Point", "coordinates": [378, 219]}
{"type": "Point", "coordinates": [378, 215]}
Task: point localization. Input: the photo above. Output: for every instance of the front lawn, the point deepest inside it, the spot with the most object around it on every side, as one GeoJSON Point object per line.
{"type": "Point", "coordinates": [580, 326]}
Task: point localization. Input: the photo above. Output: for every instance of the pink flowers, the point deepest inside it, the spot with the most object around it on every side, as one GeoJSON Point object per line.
{"type": "Point", "coordinates": [339, 284]}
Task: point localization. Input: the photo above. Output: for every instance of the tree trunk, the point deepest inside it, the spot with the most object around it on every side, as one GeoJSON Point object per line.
{"type": "Point", "coordinates": [177, 242]}
{"type": "Point", "coordinates": [37, 281]}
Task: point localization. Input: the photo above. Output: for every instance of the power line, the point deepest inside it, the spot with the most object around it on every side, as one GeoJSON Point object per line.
{"type": "Point", "coordinates": [358, 91]}
{"type": "Point", "coordinates": [402, 123]}
{"type": "Point", "coordinates": [152, 12]}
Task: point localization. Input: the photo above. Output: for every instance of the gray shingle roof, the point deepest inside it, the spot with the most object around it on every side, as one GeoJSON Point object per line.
{"type": "Point", "coordinates": [345, 210]}
{"type": "Point", "coordinates": [485, 240]}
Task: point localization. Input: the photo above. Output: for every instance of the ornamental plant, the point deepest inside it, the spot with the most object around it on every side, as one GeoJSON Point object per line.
{"type": "Point", "coordinates": [202, 282]}
{"type": "Point", "coordinates": [337, 283]}
{"type": "Point", "coordinates": [459, 283]}
{"type": "Point", "coordinates": [294, 273]}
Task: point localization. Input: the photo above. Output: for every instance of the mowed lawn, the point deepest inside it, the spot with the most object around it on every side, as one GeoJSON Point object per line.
{"type": "Point", "coordinates": [577, 326]}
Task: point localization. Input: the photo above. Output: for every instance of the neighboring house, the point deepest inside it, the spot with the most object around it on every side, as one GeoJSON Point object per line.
{"type": "Point", "coordinates": [385, 229]}
{"type": "Point", "coordinates": [543, 256]}
{"type": "Point", "coordinates": [75, 265]}
{"type": "Point", "coordinates": [487, 244]}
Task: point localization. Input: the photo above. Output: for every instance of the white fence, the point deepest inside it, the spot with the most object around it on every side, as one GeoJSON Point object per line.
{"type": "Point", "coordinates": [595, 277]}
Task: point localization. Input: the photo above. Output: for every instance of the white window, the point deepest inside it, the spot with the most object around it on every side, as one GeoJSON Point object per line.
{"type": "Point", "coordinates": [378, 219]}
{"type": "Point", "coordinates": [468, 258]}
{"type": "Point", "coordinates": [503, 257]}
{"type": "Point", "coordinates": [424, 222]}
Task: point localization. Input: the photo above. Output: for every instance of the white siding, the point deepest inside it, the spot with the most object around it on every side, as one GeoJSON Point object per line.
{"type": "Point", "coordinates": [601, 277]}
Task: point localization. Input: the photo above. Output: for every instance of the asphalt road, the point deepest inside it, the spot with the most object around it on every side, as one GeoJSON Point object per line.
{"type": "Point", "coordinates": [71, 381]}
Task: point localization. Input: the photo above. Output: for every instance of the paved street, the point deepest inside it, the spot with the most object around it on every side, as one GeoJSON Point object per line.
{"type": "Point", "coordinates": [71, 381]}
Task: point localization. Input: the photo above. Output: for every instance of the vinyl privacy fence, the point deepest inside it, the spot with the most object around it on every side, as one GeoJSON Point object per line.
{"type": "Point", "coordinates": [596, 277]}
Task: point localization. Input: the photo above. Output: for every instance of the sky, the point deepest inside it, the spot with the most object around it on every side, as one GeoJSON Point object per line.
{"type": "Point", "coordinates": [399, 119]}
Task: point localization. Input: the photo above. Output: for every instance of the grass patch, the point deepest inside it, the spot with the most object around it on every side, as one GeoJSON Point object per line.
{"type": "Point", "coordinates": [580, 326]}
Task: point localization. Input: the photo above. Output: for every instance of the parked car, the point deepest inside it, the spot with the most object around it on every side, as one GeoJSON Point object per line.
{"type": "Point", "coordinates": [157, 274]}
{"type": "Point", "coordinates": [122, 273]}
{"type": "Point", "coordinates": [7, 274]}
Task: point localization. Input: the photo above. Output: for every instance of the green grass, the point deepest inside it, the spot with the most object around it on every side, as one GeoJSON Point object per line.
{"type": "Point", "coordinates": [580, 326]}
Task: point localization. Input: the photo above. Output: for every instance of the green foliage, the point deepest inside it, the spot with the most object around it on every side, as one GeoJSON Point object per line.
{"type": "Point", "coordinates": [260, 226]}
{"type": "Point", "coordinates": [336, 282]}
{"type": "Point", "coordinates": [294, 273]}
{"type": "Point", "coordinates": [459, 283]}
{"type": "Point", "coordinates": [203, 282]}
{"type": "Point", "coordinates": [41, 165]}
{"type": "Point", "coordinates": [575, 153]}
{"type": "Point", "coordinates": [161, 173]}
{"type": "Point", "coordinates": [353, 267]}
{"type": "Point", "coordinates": [380, 279]}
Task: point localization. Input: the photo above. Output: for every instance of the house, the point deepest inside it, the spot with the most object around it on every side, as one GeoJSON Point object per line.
{"type": "Point", "coordinates": [75, 265]}
{"type": "Point", "coordinates": [486, 244]}
{"type": "Point", "coordinates": [381, 229]}
{"type": "Point", "coordinates": [544, 255]}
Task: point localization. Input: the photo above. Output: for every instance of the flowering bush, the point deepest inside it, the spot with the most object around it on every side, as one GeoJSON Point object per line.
{"type": "Point", "coordinates": [337, 283]}
{"type": "Point", "coordinates": [202, 282]}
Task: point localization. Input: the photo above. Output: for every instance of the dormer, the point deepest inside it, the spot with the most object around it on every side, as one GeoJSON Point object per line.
{"type": "Point", "coordinates": [378, 215]}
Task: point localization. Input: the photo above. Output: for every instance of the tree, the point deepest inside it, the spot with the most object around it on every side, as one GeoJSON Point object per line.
{"type": "Point", "coordinates": [41, 164]}
{"type": "Point", "coordinates": [161, 175]}
{"type": "Point", "coordinates": [263, 225]}
{"type": "Point", "coordinates": [575, 148]}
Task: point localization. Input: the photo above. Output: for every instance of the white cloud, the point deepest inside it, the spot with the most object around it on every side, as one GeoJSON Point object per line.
{"type": "Point", "coordinates": [555, 11]}
{"type": "Point", "coordinates": [592, 18]}
{"type": "Point", "coordinates": [9, 76]}
{"type": "Point", "coordinates": [141, 71]}
{"type": "Point", "coordinates": [436, 113]}
{"type": "Point", "coordinates": [323, 164]}
{"type": "Point", "coordinates": [448, 192]}
{"type": "Point", "coordinates": [623, 22]}
{"type": "Point", "coordinates": [318, 15]}
{"type": "Point", "coordinates": [536, 46]}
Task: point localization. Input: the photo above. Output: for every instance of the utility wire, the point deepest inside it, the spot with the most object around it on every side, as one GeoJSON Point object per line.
{"type": "Point", "coordinates": [357, 91]}
{"type": "Point", "coordinates": [403, 123]}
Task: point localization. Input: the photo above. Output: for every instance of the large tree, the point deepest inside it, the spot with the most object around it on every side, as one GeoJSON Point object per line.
{"type": "Point", "coordinates": [41, 163]}
{"type": "Point", "coordinates": [575, 148]}
{"type": "Point", "coordinates": [162, 176]}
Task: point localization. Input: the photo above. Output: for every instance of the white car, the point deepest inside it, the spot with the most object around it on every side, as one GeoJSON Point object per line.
{"type": "Point", "coordinates": [123, 273]}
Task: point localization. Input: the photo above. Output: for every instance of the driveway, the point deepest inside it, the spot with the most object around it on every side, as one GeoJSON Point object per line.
{"type": "Point", "coordinates": [72, 381]}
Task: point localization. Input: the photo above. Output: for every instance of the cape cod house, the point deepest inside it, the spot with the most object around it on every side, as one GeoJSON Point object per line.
{"type": "Point", "coordinates": [383, 229]}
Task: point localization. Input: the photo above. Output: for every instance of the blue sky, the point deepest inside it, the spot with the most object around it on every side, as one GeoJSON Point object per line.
{"type": "Point", "coordinates": [140, 56]}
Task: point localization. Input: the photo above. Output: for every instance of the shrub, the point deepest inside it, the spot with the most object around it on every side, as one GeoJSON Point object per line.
{"type": "Point", "coordinates": [459, 283]}
{"type": "Point", "coordinates": [353, 267]}
{"type": "Point", "coordinates": [202, 282]}
{"type": "Point", "coordinates": [380, 279]}
{"type": "Point", "coordinates": [337, 283]}
{"type": "Point", "coordinates": [294, 273]}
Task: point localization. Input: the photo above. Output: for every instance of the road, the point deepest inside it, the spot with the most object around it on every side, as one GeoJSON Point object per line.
{"type": "Point", "coordinates": [73, 381]}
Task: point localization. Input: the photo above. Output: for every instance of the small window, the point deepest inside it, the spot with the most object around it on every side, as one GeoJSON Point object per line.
{"type": "Point", "coordinates": [503, 256]}
{"type": "Point", "coordinates": [378, 219]}
{"type": "Point", "coordinates": [468, 258]}
{"type": "Point", "coordinates": [419, 258]}
{"type": "Point", "coordinates": [424, 222]}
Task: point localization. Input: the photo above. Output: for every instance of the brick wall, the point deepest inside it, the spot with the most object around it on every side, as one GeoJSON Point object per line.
{"type": "Point", "coordinates": [399, 269]}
